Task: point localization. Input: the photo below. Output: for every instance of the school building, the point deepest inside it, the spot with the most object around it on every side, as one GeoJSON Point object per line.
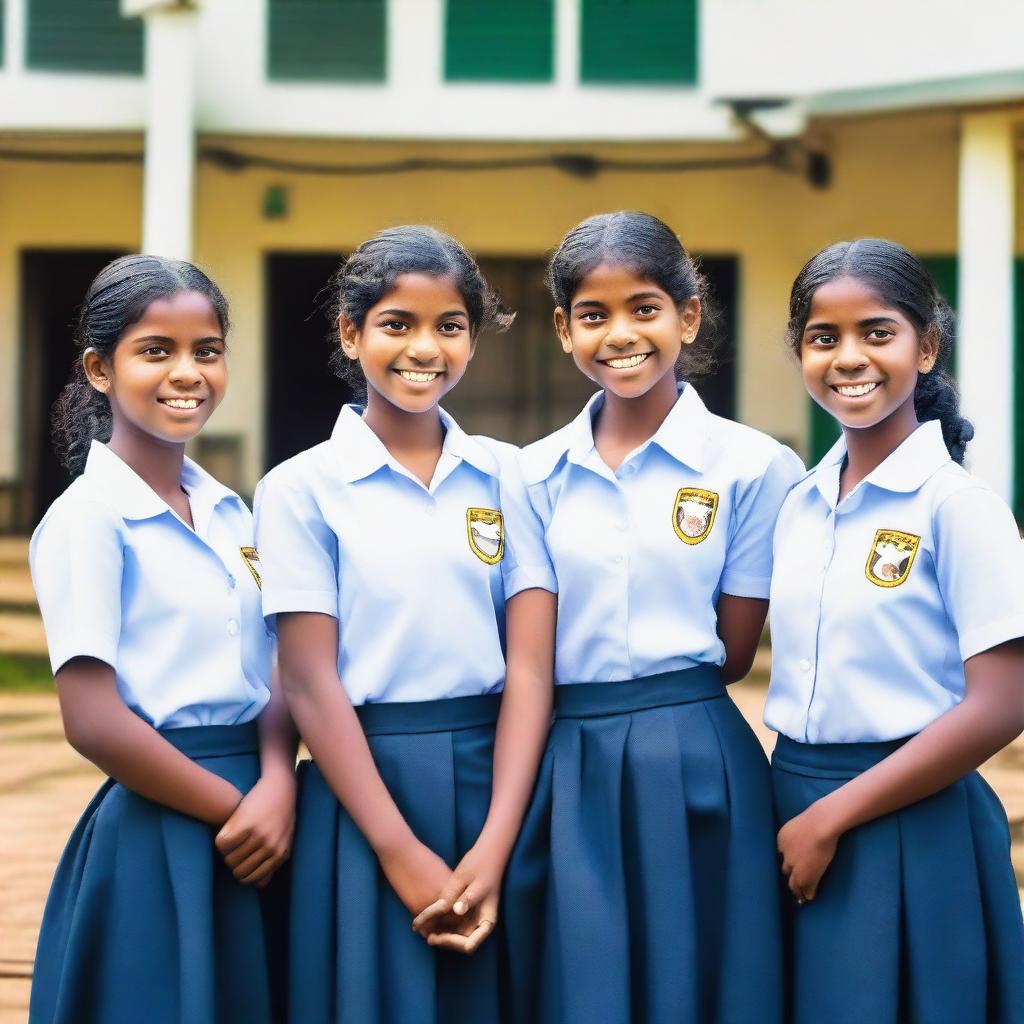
{"type": "Point", "coordinates": [265, 138]}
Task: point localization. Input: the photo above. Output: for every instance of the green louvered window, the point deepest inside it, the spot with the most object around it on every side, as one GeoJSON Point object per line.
{"type": "Point", "coordinates": [640, 41]}
{"type": "Point", "coordinates": [82, 35]}
{"type": "Point", "coordinates": [499, 40]}
{"type": "Point", "coordinates": [327, 40]}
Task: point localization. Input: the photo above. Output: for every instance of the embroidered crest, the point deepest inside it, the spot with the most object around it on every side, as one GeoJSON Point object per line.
{"type": "Point", "coordinates": [891, 556]}
{"type": "Point", "coordinates": [251, 558]}
{"type": "Point", "coordinates": [486, 531]}
{"type": "Point", "coordinates": [694, 514]}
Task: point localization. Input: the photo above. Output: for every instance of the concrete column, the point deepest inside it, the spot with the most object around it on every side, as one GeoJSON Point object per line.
{"type": "Point", "coordinates": [170, 160]}
{"type": "Point", "coordinates": [985, 357]}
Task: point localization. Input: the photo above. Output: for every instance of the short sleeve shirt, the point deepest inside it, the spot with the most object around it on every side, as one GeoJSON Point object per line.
{"type": "Point", "coordinates": [175, 611]}
{"type": "Point", "coordinates": [416, 576]}
{"type": "Point", "coordinates": [879, 599]}
{"type": "Point", "coordinates": [642, 554]}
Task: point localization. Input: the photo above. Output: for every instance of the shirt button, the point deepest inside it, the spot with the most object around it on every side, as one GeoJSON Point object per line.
{"type": "Point", "coordinates": [805, 665]}
{"type": "Point", "coordinates": [232, 627]}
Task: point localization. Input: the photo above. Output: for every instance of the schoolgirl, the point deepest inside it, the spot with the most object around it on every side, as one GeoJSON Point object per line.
{"type": "Point", "coordinates": [897, 613]}
{"type": "Point", "coordinates": [645, 874]}
{"type": "Point", "coordinates": [408, 583]}
{"type": "Point", "coordinates": [148, 585]}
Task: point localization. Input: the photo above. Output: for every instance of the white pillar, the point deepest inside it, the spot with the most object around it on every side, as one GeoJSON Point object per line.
{"type": "Point", "coordinates": [170, 160]}
{"type": "Point", "coordinates": [985, 357]}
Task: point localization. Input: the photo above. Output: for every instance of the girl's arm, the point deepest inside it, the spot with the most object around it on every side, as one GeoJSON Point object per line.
{"type": "Point", "coordinates": [472, 892]}
{"type": "Point", "coordinates": [102, 728]}
{"type": "Point", "coordinates": [740, 623]}
{"type": "Point", "coordinates": [989, 717]}
{"type": "Point", "coordinates": [308, 658]}
{"type": "Point", "coordinates": [256, 839]}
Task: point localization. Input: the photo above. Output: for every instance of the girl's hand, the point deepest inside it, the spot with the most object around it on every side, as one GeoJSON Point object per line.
{"type": "Point", "coordinates": [807, 846]}
{"type": "Point", "coordinates": [466, 911]}
{"type": "Point", "coordinates": [416, 873]}
{"type": "Point", "coordinates": [256, 840]}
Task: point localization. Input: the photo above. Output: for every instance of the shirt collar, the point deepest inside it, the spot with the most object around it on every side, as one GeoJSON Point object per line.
{"type": "Point", "coordinates": [135, 499]}
{"type": "Point", "coordinates": [682, 433]}
{"type": "Point", "coordinates": [364, 453]}
{"type": "Point", "coordinates": [904, 470]}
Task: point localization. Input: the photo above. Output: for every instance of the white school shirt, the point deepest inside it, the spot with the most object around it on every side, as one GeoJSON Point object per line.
{"type": "Point", "coordinates": [878, 600]}
{"type": "Point", "coordinates": [416, 576]}
{"type": "Point", "coordinates": [175, 611]}
{"type": "Point", "coordinates": [641, 554]}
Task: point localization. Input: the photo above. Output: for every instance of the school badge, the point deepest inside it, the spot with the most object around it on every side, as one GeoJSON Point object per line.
{"type": "Point", "coordinates": [891, 556]}
{"type": "Point", "coordinates": [251, 558]}
{"type": "Point", "coordinates": [486, 531]}
{"type": "Point", "coordinates": [694, 514]}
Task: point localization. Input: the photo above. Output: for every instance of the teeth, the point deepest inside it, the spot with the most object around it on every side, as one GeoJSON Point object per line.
{"type": "Point", "coordinates": [182, 403]}
{"type": "Point", "coordinates": [855, 390]}
{"type": "Point", "coordinates": [628, 361]}
{"type": "Point", "coordinates": [419, 378]}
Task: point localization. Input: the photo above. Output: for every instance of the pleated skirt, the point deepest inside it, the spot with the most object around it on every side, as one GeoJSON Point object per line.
{"type": "Point", "coordinates": [144, 921]}
{"type": "Point", "coordinates": [354, 957]}
{"type": "Point", "coordinates": [917, 919]}
{"type": "Point", "coordinates": [644, 886]}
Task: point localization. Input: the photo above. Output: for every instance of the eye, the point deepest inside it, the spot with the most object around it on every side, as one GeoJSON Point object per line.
{"type": "Point", "coordinates": [591, 316]}
{"type": "Point", "coordinates": [394, 325]}
{"type": "Point", "coordinates": [880, 334]}
{"type": "Point", "coordinates": [207, 353]}
{"type": "Point", "coordinates": [647, 309]}
{"type": "Point", "coordinates": [154, 350]}
{"type": "Point", "coordinates": [451, 327]}
{"type": "Point", "coordinates": [825, 340]}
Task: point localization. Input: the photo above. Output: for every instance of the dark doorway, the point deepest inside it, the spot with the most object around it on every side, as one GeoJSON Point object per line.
{"type": "Point", "coordinates": [719, 389]}
{"type": "Point", "coordinates": [303, 396]}
{"type": "Point", "coordinates": [53, 284]}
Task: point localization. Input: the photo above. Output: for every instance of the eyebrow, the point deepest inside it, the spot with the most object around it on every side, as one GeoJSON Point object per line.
{"type": "Point", "coordinates": [632, 298]}
{"type": "Point", "coordinates": [171, 341]}
{"type": "Point", "coordinates": [412, 316]}
{"type": "Point", "coordinates": [870, 321]}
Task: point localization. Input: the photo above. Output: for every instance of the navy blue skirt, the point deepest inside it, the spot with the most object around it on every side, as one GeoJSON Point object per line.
{"type": "Point", "coordinates": [645, 886]}
{"type": "Point", "coordinates": [917, 919]}
{"type": "Point", "coordinates": [144, 921]}
{"type": "Point", "coordinates": [354, 957]}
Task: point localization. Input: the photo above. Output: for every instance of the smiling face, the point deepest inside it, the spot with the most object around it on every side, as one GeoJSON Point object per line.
{"type": "Point", "coordinates": [168, 372]}
{"type": "Point", "coordinates": [625, 332]}
{"type": "Point", "coordinates": [861, 357]}
{"type": "Point", "coordinates": [414, 344]}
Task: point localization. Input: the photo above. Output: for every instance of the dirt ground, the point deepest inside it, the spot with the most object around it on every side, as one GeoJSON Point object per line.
{"type": "Point", "coordinates": [44, 785]}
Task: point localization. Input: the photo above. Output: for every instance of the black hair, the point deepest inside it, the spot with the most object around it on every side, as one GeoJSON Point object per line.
{"type": "Point", "coordinates": [901, 281]}
{"type": "Point", "coordinates": [372, 270]}
{"type": "Point", "coordinates": [117, 298]}
{"type": "Point", "coordinates": [651, 250]}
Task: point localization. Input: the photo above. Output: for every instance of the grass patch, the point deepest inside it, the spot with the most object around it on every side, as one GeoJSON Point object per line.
{"type": "Point", "coordinates": [25, 673]}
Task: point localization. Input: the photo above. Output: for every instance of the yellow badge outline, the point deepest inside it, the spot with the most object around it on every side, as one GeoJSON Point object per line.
{"type": "Point", "coordinates": [696, 492]}
{"type": "Point", "coordinates": [489, 516]}
{"type": "Point", "coordinates": [249, 556]}
{"type": "Point", "coordinates": [901, 536]}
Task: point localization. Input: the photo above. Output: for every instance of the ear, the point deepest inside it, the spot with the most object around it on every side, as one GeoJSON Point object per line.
{"type": "Point", "coordinates": [928, 350]}
{"type": "Point", "coordinates": [562, 330]}
{"type": "Point", "coordinates": [689, 321]}
{"type": "Point", "coordinates": [97, 370]}
{"type": "Point", "coordinates": [348, 336]}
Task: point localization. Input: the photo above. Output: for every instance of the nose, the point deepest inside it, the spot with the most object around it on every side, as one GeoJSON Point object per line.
{"type": "Point", "coordinates": [184, 372]}
{"type": "Point", "coordinates": [849, 356]}
{"type": "Point", "coordinates": [621, 332]}
{"type": "Point", "coordinates": [422, 346]}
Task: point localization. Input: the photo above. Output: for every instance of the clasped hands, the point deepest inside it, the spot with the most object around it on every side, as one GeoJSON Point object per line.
{"type": "Point", "coordinates": [451, 909]}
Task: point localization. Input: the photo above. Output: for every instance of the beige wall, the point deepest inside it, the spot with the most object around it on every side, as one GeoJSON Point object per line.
{"type": "Point", "coordinates": [895, 177]}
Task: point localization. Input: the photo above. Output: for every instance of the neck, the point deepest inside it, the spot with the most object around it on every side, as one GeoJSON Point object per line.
{"type": "Point", "coordinates": [402, 431]}
{"type": "Point", "coordinates": [871, 446]}
{"type": "Point", "coordinates": [159, 464]}
{"type": "Point", "coordinates": [631, 421]}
